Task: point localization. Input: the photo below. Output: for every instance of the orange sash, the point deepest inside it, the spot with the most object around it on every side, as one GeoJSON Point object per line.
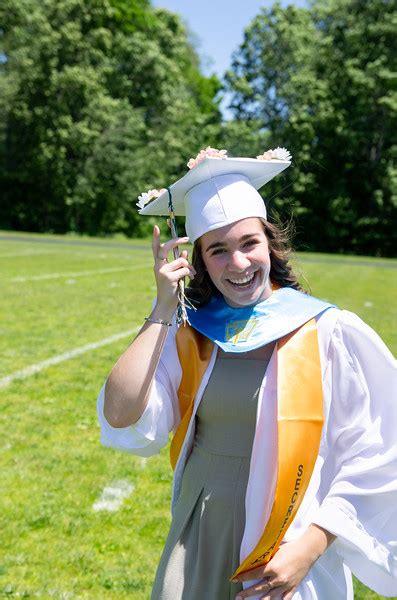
{"type": "Point", "coordinates": [194, 352]}
{"type": "Point", "coordinates": [299, 422]}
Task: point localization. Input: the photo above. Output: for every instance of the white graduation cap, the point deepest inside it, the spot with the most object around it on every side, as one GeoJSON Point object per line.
{"type": "Point", "coordinates": [218, 191]}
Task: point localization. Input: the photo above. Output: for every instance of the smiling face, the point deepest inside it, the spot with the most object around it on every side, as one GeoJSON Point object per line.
{"type": "Point", "coordinates": [237, 260]}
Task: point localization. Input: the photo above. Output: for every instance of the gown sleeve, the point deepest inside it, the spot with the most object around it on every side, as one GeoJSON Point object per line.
{"type": "Point", "coordinates": [359, 477]}
{"type": "Point", "coordinates": [150, 433]}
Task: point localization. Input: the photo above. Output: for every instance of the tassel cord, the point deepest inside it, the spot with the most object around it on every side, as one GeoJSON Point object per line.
{"type": "Point", "coordinates": [183, 301]}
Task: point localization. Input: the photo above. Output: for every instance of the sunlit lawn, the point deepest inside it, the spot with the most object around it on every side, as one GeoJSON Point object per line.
{"type": "Point", "coordinates": [59, 297]}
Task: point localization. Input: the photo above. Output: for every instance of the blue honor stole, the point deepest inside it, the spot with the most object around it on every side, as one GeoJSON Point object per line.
{"type": "Point", "coordinates": [250, 327]}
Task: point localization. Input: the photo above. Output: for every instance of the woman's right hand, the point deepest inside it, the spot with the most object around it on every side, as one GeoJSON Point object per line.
{"type": "Point", "coordinates": [129, 383]}
{"type": "Point", "coordinates": [168, 274]}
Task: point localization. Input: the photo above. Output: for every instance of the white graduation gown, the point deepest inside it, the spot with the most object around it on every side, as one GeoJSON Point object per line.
{"type": "Point", "coordinates": [353, 489]}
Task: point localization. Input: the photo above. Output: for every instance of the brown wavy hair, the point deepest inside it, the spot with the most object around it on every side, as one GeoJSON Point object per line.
{"type": "Point", "coordinates": [201, 288]}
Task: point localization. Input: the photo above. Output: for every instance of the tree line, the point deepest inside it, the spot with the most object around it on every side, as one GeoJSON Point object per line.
{"type": "Point", "coordinates": [103, 99]}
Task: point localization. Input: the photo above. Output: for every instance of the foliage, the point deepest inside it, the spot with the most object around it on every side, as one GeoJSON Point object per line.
{"type": "Point", "coordinates": [102, 98]}
{"type": "Point", "coordinates": [322, 81]}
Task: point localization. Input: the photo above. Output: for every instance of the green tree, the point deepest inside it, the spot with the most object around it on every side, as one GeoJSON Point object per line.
{"type": "Point", "coordinates": [102, 99]}
{"type": "Point", "coordinates": [322, 81]}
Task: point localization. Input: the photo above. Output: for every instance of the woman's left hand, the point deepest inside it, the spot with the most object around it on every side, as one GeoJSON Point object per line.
{"type": "Point", "coordinates": [291, 563]}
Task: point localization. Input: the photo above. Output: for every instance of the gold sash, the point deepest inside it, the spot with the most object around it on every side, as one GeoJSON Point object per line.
{"type": "Point", "coordinates": [194, 352]}
{"type": "Point", "coordinates": [299, 423]}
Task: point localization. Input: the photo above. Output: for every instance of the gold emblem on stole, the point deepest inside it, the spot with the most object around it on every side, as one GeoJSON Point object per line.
{"type": "Point", "coordinates": [240, 331]}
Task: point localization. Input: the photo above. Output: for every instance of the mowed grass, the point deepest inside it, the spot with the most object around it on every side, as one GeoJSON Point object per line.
{"type": "Point", "coordinates": [57, 297]}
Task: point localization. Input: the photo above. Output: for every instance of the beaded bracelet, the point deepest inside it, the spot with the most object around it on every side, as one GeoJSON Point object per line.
{"type": "Point", "coordinates": [159, 321]}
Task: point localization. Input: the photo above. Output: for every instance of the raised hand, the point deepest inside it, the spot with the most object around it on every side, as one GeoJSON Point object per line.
{"type": "Point", "coordinates": [168, 273]}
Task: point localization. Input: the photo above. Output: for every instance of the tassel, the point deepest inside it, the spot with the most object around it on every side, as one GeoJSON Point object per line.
{"type": "Point", "coordinates": [183, 301]}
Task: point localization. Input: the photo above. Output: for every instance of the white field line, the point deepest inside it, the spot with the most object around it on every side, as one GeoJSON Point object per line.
{"type": "Point", "coordinates": [113, 496]}
{"type": "Point", "coordinates": [55, 360]}
{"type": "Point", "coordinates": [28, 253]}
{"type": "Point", "coordinates": [89, 254]}
{"type": "Point", "coordinates": [77, 274]}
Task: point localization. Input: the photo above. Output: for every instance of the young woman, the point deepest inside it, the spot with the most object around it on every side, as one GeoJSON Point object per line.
{"type": "Point", "coordinates": [281, 406]}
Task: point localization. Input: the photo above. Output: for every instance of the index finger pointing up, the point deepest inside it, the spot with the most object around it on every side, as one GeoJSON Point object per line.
{"type": "Point", "coordinates": [156, 241]}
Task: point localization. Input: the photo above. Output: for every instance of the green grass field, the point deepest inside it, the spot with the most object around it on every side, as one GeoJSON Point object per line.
{"type": "Point", "coordinates": [62, 294]}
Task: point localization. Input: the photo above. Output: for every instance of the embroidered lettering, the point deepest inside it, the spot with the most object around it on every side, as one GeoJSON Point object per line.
{"type": "Point", "coordinates": [287, 517]}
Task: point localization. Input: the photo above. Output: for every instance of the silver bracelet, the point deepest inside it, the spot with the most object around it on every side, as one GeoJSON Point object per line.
{"type": "Point", "coordinates": [159, 321]}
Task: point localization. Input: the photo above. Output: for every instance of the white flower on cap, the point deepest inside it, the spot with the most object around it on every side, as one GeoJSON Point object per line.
{"type": "Point", "coordinates": [146, 197]}
{"type": "Point", "coordinates": [219, 190]}
{"type": "Point", "coordinates": [276, 154]}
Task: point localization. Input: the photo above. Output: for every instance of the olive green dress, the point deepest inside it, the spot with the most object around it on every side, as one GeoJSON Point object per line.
{"type": "Point", "coordinates": [202, 548]}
